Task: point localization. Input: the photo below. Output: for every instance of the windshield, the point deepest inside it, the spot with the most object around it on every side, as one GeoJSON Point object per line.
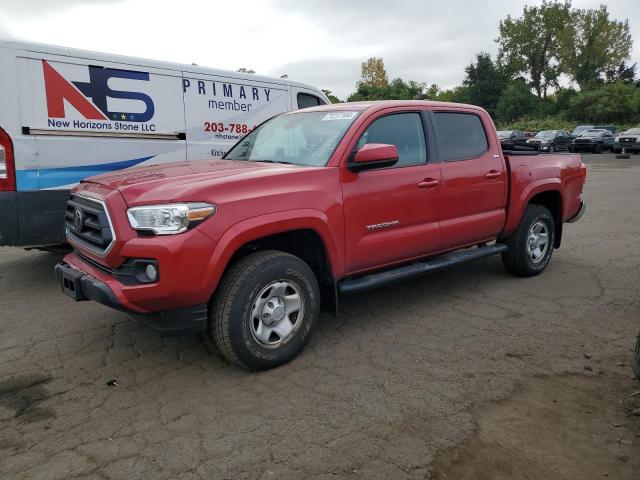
{"type": "Point", "coordinates": [301, 138]}
{"type": "Point", "coordinates": [578, 130]}
{"type": "Point", "coordinates": [504, 134]}
{"type": "Point", "coordinates": [633, 131]}
{"type": "Point", "coordinates": [546, 134]}
{"type": "Point", "coordinates": [592, 133]}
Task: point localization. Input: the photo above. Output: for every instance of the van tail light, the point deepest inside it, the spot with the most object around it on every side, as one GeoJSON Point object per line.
{"type": "Point", "coordinates": [7, 163]}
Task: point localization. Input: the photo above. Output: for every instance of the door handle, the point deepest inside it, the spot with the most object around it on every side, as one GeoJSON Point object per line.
{"type": "Point", "coordinates": [493, 174]}
{"type": "Point", "coordinates": [429, 183]}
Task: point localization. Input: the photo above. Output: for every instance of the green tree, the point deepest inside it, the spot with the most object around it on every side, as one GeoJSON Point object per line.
{"type": "Point", "coordinates": [365, 91]}
{"type": "Point", "coordinates": [374, 84]}
{"type": "Point", "coordinates": [373, 73]}
{"type": "Point", "coordinates": [529, 45]}
{"type": "Point", "coordinates": [332, 98]}
{"type": "Point", "coordinates": [484, 81]}
{"type": "Point", "coordinates": [611, 103]}
{"type": "Point", "coordinates": [625, 73]}
{"type": "Point", "coordinates": [591, 44]}
{"type": "Point", "coordinates": [516, 102]}
{"type": "Point", "coordinates": [401, 90]}
{"type": "Point", "coordinates": [432, 93]}
{"type": "Point", "coordinates": [459, 94]}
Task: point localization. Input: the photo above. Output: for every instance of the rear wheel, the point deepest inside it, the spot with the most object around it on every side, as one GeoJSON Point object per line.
{"type": "Point", "coordinates": [530, 247]}
{"type": "Point", "coordinates": [265, 310]}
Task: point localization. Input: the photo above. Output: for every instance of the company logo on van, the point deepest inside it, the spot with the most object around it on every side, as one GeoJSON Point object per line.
{"type": "Point", "coordinates": [77, 94]}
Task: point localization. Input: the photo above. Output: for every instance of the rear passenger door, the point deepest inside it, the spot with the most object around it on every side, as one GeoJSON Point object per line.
{"type": "Point", "coordinates": [473, 196]}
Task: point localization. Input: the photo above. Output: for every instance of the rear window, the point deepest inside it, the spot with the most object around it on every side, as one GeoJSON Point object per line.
{"type": "Point", "coordinates": [460, 135]}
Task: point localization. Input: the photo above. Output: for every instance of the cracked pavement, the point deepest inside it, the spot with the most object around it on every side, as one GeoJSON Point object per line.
{"type": "Point", "coordinates": [380, 392]}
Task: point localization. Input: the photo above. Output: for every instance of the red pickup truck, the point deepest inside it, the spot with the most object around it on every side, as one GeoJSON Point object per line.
{"type": "Point", "coordinates": [308, 206]}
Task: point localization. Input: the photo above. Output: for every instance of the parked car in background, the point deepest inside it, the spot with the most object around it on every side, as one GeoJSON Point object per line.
{"type": "Point", "coordinates": [551, 140]}
{"type": "Point", "coordinates": [512, 139]}
{"type": "Point", "coordinates": [594, 140]}
{"type": "Point", "coordinates": [629, 140]}
{"type": "Point", "coordinates": [580, 129]}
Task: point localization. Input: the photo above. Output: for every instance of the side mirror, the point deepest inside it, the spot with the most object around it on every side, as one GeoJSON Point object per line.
{"type": "Point", "coordinates": [374, 155]}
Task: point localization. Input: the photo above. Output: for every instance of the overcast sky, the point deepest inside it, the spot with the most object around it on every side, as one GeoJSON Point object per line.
{"type": "Point", "coordinates": [321, 42]}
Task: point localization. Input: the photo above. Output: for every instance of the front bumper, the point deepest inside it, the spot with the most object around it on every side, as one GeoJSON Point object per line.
{"type": "Point", "coordinates": [81, 287]}
{"type": "Point", "coordinates": [628, 147]}
{"type": "Point", "coordinates": [579, 214]}
{"type": "Point", "coordinates": [583, 146]}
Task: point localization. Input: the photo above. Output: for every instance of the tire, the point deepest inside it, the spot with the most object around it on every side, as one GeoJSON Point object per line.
{"type": "Point", "coordinates": [571, 149]}
{"type": "Point", "coordinates": [597, 148]}
{"type": "Point", "coordinates": [517, 258]}
{"type": "Point", "coordinates": [264, 282]}
{"type": "Point", "coordinates": [552, 148]}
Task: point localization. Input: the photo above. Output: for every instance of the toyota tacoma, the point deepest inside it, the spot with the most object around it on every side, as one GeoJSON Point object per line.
{"type": "Point", "coordinates": [309, 206]}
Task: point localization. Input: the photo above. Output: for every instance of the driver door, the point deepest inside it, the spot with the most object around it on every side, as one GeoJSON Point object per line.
{"type": "Point", "coordinates": [391, 214]}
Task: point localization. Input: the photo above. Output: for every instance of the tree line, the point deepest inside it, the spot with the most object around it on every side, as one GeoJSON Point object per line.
{"type": "Point", "coordinates": [556, 66]}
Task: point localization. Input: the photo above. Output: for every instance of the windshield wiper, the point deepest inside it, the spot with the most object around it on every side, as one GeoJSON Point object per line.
{"type": "Point", "coordinates": [275, 161]}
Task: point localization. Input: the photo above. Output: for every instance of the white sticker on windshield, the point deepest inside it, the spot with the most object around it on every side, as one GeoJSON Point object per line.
{"type": "Point", "coordinates": [339, 116]}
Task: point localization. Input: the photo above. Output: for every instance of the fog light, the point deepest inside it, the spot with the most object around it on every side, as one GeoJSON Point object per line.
{"type": "Point", "coordinates": [151, 272]}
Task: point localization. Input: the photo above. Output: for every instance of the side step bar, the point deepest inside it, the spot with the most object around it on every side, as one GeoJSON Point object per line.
{"type": "Point", "coordinates": [436, 263]}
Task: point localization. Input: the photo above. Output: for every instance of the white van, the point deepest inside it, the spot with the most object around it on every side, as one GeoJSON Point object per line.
{"type": "Point", "coordinates": [68, 114]}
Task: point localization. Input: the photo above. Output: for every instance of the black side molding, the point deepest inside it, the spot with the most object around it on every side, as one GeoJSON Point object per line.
{"type": "Point", "coordinates": [386, 277]}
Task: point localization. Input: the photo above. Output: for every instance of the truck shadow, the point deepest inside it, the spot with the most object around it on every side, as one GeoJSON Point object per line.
{"type": "Point", "coordinates": [29, 269]}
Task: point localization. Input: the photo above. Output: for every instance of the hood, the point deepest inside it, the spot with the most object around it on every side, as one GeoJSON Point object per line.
{"type": "Point", "coordinates": [191, 171]}
{"type": "Point", "coordinates": [186, 181]}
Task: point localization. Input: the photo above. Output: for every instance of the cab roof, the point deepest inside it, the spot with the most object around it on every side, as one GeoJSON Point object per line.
{"type": "Point", "coordinates": [382, 104]}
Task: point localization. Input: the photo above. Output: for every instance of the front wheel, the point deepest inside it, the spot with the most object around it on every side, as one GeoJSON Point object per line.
{"type": "Point", "coordinates": [530, 247]}
{"type": "Point", "coordinates": [552, 148]}
{"type": "Point", "coordinates": [265, 310]}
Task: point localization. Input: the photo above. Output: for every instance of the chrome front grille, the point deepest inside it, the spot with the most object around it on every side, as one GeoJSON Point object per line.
{"type": "Point", "coordinates": [88, 224]}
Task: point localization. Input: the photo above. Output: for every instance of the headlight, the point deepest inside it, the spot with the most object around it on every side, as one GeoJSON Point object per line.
{"type": "Point", "coordinates": [169, 219]}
